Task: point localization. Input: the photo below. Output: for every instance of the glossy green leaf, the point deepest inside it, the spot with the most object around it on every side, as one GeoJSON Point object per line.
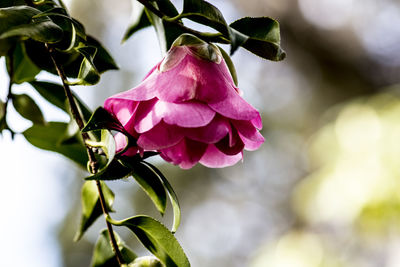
{"type": "Point", "coordinates": [58, 13]}
{"type": "Point", "coordinates": [91, 206]}
{"type": "Point", "coordinates": [157, 239]}
{"type": "Point", "coordinates": [23, 68]}
{"type": "Point", "coordinates": [230, 65]}
{"type": "Point", "coordinates": [107, 144]}
{"type": "Point", "coordinates": [151, 185]}
{"type": "Point", "coordinates": [166, 31]}
{"type": "Point", "coordinates": [48, 137]}
{"type": "Point", "coordinates": [54, 93]}
{"type": "Point", "coordinates": [139, 20]}
{"type": "Point", "coordinates": [28, 108]}
{"type": "Point", "coordinates": [104, 255]}
{"type": "Point", "coordinates": [102, 119]}
{"type": "Point", "coordinates": [70, 60]}
{"type": "Point", "coordinates": [19, 21]}
{"type": "Point", "coordinates": [263, 37]}
{"type": "Point", "coordinates": [171, 194]}
{"type": "Point", "coordinates": [88, 73]}
{"type": "Point", "coordinates": [6, 45]}
{"type": "Point", "coordinates": [205, 13]}
{"type": "Point", "coordinates": [114, 171]}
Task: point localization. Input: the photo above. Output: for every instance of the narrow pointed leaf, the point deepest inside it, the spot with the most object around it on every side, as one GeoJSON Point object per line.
{"type": "Point", "coordinates": [230, 65]}
{"type": "Point", "coordinates": [48, 137]}
{"type": "Point", "coordinates": [88, 73]}
{"type": "Point", "coordinates": [23, 68]}
{"type": "Point", "coordinates": [157, 239]}
{"type": "Point", "coordinates": [151, 184]}
{"type": "Point", "coordinates": [91, 207]}
{"type": "Point", "coordinates": [19, 21]}
{"type": "Point", "coordinates": [28, 108]}
{"type": "Point", "coordinates": [54, 93]}
{"type": "Point", "coordinates": [104, 256]}
{"type": "Point", "coordinates": [172, 196]}
{"type": "Point", "coordinates": [139, 20]}
{"type": "Point", "coordinates": [205, 13]}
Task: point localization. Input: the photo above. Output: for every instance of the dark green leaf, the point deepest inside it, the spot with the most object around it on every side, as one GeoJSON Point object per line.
{"type": "Point", "coordinates": [28, 108]}
{"type": "Point", "coordinates": [8, 3]}
{"type": "Point", "coordinates": [54, 93]}
{"type": "Point", "coordinates": [91, 206]}
{"type": "Point", "coordinates": [205, 13]}
{"type": "Point", "coordinates": [166, 31]}
{"type": "Point", "coordinates": [104, 255]}
{"type": "Point", "coordinates": [88, 74]}
{"type": "Point", "coordinates": [171, 194]}
{"type": "Point", "coordinates": [157, 239]}
{"type": "Point", "coordinates": [103, 60]}
{"type": "Point", "coordinates": [230, 65]}
{"type": "Point", "coordinates": [139, 20]}
{"type": "Point", "coordinates": [19, 21]}
{"type": "Point", "coordinates": [263, 37]}
{"type": "Point", "coordinates": [23, 68]}
{"type": "Point", "coordinates": [70, 60]}
{"type": "Point", "coordinates": [102, 119]}
{"type": "Point", "coordinates": [113, 171]}
{"type": "Point", "coordinates": [48, 137]}
{"type": "Point", "coordinates": [151, 185]}
{"type": "Point", "coordinates": [6, 45]}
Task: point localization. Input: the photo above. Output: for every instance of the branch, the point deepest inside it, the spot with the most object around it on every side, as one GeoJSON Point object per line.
{"type": "Point", "coordinates": [92, 159]}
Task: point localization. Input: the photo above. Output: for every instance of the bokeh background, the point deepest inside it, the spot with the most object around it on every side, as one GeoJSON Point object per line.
{"type": "Point", "coordinates": [324, 189]}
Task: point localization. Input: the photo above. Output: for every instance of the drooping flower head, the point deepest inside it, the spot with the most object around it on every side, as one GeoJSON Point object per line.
{"type": "Point", "coordinates": [188, 109]}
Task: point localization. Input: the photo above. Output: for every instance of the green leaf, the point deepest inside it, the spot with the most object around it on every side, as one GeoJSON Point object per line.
{"type": "Point", "coordinates": [104, 255]}
{"type": "Point", "coordinates": [151, 185]}
{"type": "Point", "coordinates": [166, 31]}
{"type": "Point", "coordinates": [263, 37]}
{"type": "Point", "coordinates": [70, 60]}
{"type": "Point", "coordinates": [171, 194]}
{"type": "Point", "coordinates": [91, 206]}
{"type": "Point", "coordinates": [48, 137]}
{"type": "Point", "coordinates": [230, 65]}
{"type": "Point", "coordinates": [113, 171]}
{"type": "Point", "coordinates": [157, 239]}
{"type": "Point", "coordinates": [23, 68]}
{"type": "Point", "coordinates": [88, 73]}
{"type": "Point", "coordinates": [102, 119]}
{"type": "Point", "coordinates": [28, 108]}
{"type": "Point", "coordinates": [139, 20]}
{"type": "Point", "coordinates": [19, 21]}
{"type": "Point", "coordinates": [103, 60]}
{"type": "Point", "coordinates": [54, 93]}
{"type": "Point", "coordinates": [205, 13]}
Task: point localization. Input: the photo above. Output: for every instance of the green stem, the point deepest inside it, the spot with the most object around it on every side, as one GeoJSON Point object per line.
{"type": "Point", "coordinates": [92, 159]}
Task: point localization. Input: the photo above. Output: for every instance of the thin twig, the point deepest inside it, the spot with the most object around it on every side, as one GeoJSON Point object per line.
{"type": "Point", "coordinates": [92, 159]}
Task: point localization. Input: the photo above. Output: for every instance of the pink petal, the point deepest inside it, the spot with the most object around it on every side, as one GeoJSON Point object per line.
{"type": "Point", "coordinates": [121, 142]}
{"type": "Point", "coordinates": [193, 78]}
{"type": "Point", "coordinates": [185, 154]}
{"type": "Point", "coordinates": [123, 109]}
{"type": "Point", "coordinates": [159, 137]}
{"type": "Point", "coordinates": [231, 144]}
{"type": "Point", "coordinates": [213, 132]}
{"type": "Point", "coordinates": [235, 107]}
{"type": "Point", "coordinates": [246, 129]}
{"type": "Point", "coordinates": [250, 144]}
{"type": "Point", "coordinates": [145, 117]}
{"type": "Point", "coordinates": [213, 158]}
{"type": "Point", "coordinates": [188, 114]}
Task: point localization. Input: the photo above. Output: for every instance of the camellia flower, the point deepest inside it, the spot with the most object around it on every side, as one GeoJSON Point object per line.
{"type": "Point", "coordinates": [188, 109]}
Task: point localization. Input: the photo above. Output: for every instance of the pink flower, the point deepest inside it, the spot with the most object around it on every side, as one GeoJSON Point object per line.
{"type": "Point", "coordinates": [189, 110]}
